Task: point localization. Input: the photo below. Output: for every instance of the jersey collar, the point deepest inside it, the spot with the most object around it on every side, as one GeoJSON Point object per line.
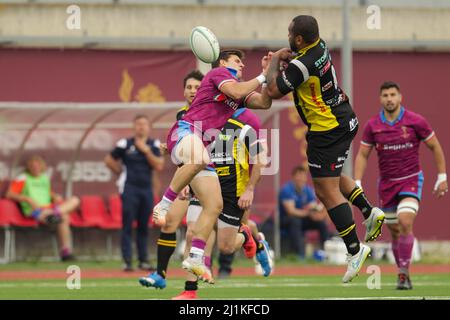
{"type": "Point", "coordinates": [302, 51]}
{"type": "Point", "coordinates": [238, 112]}
{"type": "Point", "coordinates": [233, 72]}
{"type": "Point", "coordinates": [391, 123]}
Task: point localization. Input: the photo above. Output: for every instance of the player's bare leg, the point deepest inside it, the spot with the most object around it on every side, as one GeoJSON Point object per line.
{"type": "Point", "coordinates": [191, 152]}
{"type": "Point", "coordinates": [374, 217]}
{"type": "Point", "coordinates": [166, 245]}
{"type": "Point", "coordinates": [229, 239]}
{"type": "Point", "coordinates": [64, 237]}
{"type": "Point", "coordinates": [328, 191]}
{"type": "Point", "coordinates": [191, 284]}
{"type": "Point", "coordinates": [406, 211]}
{"type": "Point", "coordinates": [207, 189]}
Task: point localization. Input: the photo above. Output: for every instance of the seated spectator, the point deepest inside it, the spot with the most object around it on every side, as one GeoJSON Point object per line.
{"type": "Point", "coordinates": [32, 190]}
{"type": "Point", "coordinates": [300, 211]}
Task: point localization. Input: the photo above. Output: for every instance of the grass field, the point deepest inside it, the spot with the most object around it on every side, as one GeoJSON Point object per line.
{"type": "Point", "coordinates": [33, 281]}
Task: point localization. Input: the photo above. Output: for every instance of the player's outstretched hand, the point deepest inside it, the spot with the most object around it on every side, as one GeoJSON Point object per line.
{"type": "Point", "coordinates": [163, 149]}
{"type": "Point", "coordinates": [284, 54]}
{"type": "Point", "coordinates": [184, 194]}
{"type": "Point", "coordinates": [440, 189]}
{"type": "Point", "coordinates": [246, 199]}
{"type": "Point", "coordinates": [265, 61]}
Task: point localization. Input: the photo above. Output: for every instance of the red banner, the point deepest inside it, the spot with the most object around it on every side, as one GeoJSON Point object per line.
{"type": "Point", "coordinates": [114, 76]}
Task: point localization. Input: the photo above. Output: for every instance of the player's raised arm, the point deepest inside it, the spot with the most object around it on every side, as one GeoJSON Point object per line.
{"type": "Point", "coordinates": [441, 185]}
{"type": "Point", "coordinates": [257, 100]}
{"type": "Point", "coordinates": [241, 89]}
{"type": "Point", "coordinates": [275, 79]}
{"type": "Point", "coordinates": [361, 162]}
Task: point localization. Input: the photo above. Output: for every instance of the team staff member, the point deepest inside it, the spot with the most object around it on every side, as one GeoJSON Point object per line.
{"type": "Point", "coordinates": [136, 158]}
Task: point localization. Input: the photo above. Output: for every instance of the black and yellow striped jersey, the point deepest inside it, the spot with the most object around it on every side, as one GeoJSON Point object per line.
{"type": "Point", "coordinates": [233, 147]}
{"type": "Point", "coordinates": [181, 112]}
{"type": "Point", "coordinates": [312, 78]}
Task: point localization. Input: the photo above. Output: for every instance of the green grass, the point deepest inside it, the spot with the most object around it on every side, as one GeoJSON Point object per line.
{"type": "Point", "coordinates": [433, 286]}
{"type": "Point", "coordinates": [289, 260]}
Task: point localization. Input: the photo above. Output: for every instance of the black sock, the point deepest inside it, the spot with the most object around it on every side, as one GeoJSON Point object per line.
{"type": "Point", "coordinates": [167, 243]}
{"type": "Point", "coordinates": [190, 286]}
{"type": "Point", "coordinates": [259, 245]}
{"type": "Point", "coordinates": [245, 236]}
{"type": "Point", "coordinates": [343, 220]}
{"type": "Point", "coordinates": [358, 198]}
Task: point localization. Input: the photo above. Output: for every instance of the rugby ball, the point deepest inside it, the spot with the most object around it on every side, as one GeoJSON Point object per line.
{"type": "Point", "coordinates": [204, 44]}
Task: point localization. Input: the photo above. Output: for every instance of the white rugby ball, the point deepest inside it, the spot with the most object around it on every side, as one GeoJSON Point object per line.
{"type": "Point", "coordinates": [204, 44]}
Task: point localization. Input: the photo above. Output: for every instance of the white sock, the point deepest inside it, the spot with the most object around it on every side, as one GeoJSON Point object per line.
{"type": "Point", "coordinates": [197, 253]}
{"type": "Point", "coordinates": [166, 202]}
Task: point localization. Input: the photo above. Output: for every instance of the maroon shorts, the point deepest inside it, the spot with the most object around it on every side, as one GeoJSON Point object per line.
{"type": "Point", "coordinates": [390, 192]}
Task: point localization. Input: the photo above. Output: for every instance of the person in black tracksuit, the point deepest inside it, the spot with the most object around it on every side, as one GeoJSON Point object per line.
{"type": "Point", "coordinates": [135, 159]}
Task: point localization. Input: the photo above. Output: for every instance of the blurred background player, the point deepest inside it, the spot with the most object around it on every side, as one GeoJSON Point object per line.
{"type": "Point", "coordinates": [396, 134]}
{"type": "Point", "coordinates": [332, 125]}
{"type": "Point", "coordinates": [32, 190]}
{"type": "Point", "coordinates": [136, 158]}
{"type": "Point", "coordinates": [218, 97]}
{"type": "Point", "coordinates": [300, 212]}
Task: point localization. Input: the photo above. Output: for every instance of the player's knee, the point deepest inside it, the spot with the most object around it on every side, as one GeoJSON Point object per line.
{"type": "Point", "coordinates": [327, 197]}
{"type": "Point", "coordinates": [75, 202]}
{"type": "Point", "coordinates": [214, 205]}
{"type": "Point", "coordinates": [394, 229]}
{"type": "Point", "coordinates": [250, 223]}
{"type": "Point", "coordinates": [226, 247]}
{"type": "Point", "coordinates": [65, 218]}
{"type": "Point", "coordinates": [170, 226]}
{"type": "Point", "coordinates": [405, 225]}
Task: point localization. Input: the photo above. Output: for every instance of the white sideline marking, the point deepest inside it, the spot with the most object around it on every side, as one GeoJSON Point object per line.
{"type": "Point", "coordinates": [217, 285]}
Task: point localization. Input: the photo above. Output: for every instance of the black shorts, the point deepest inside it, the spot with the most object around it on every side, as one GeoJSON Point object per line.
{"type": "Point", "coordinates": [327, 151]}
{"type": "Point", "coordinates": [231, 213]}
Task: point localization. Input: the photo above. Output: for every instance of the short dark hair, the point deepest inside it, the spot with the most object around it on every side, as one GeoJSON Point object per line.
{"type": "Point", "coordinates": [141, 116]}
{"type": "Point", "coordinates": [389, 84]}
{"type": "Point", "coordinates": [194, 74]}
{"type": "Point", "coordinates": [298, 169]}
{"type": "Point", "coordinates": [225, 54]}
{"type": "Point", "coordinates": [307, 27]}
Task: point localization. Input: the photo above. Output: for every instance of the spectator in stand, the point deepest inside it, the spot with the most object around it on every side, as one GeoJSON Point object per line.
{"type": "Point", "coordinates": [32, 190]}
{"type": "Point", "coordinates": [300, 211]}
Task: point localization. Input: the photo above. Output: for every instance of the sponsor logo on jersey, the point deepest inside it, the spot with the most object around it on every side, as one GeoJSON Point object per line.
{"type": "Point", "coordinates": [286, 81]}
{"type": "Point", "coordinates": [353, 123]}
{"type": "Point", "coordinates": [327, 86]}
{"type": "Point", "coordinates": [314, 98]}
{"type": "Point", "coordinates": [319, 62]}
{"type": "Point", "coordinates": [325, 69]}
{"type": "Point", "coordinates": [395, 147]}
{"type": "Point", "coordinates": [405, 132]}
{"type": "Point", "coordinates": [228, 101]}
{"type": "Point", "coordinates": [314, 165]}
{"type": "Point", "coordinates": [223, 171]}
